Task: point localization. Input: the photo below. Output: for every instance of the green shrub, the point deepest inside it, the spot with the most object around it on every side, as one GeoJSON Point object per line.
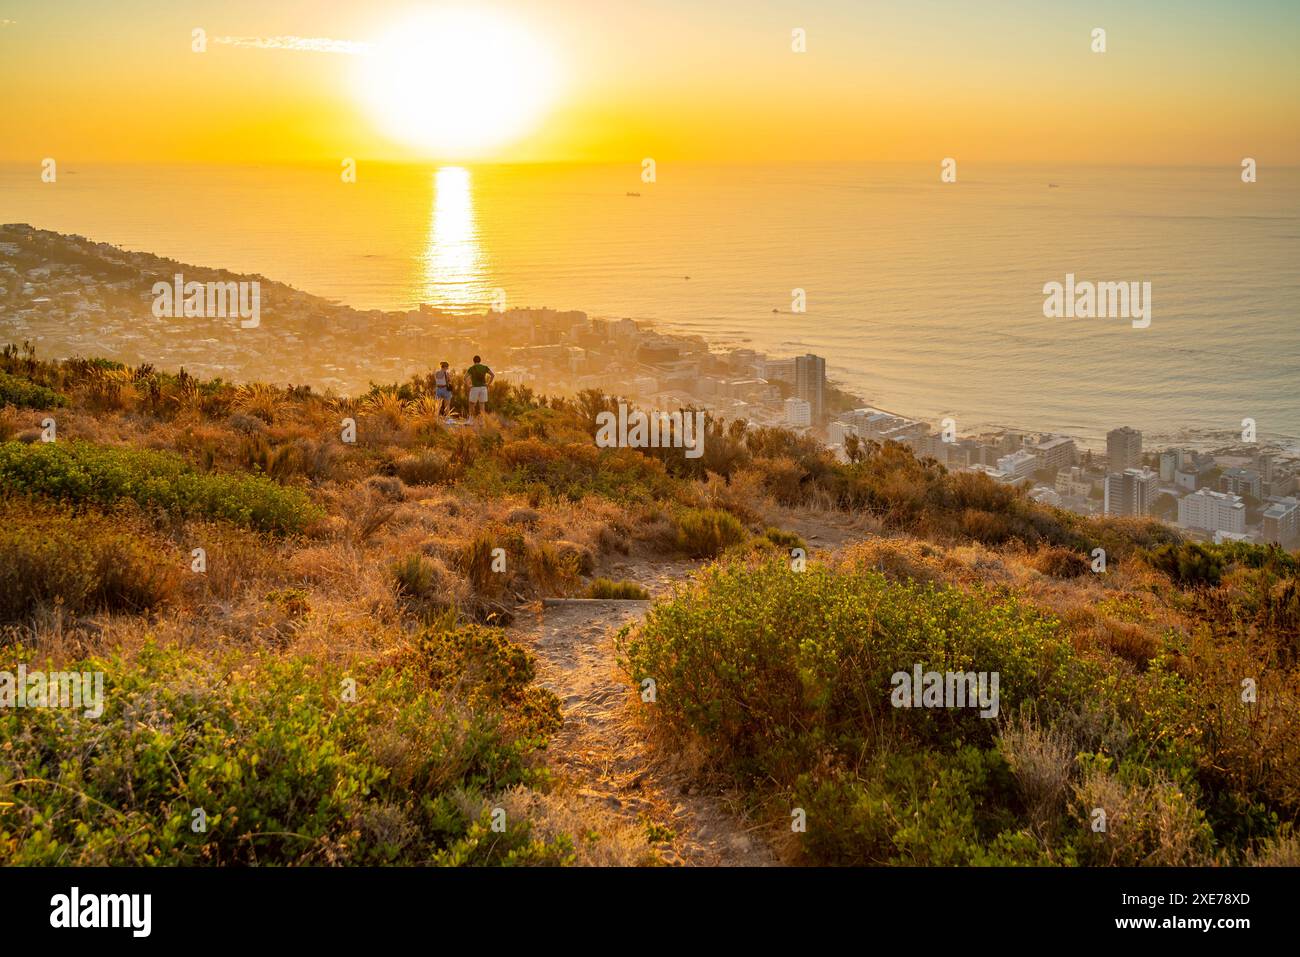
{"type": "Point", "coordinates": [783, 539]}
{"type": "Point", "coordinates": [783, 679]}
{"type": "Point", "coordinates": [26, 394]}
{"type": "Point", "coordinates": [706, 533]}
{"type": "Point", "coordinates": [1190, 564]}
{"type": "Point", "coordinates": [79, 472]}
{"type": "Point", "coordinates": [286, 768]}
{"type": "Point", "coordinates": [415, 576]}
{"type": "Point", "coordinates": [624, 590]}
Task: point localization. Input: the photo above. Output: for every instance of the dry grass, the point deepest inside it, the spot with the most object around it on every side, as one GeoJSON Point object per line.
{"type": "Point", "coordinates": [1042, 759]}
{"type": "Point", "coordinates": [600, 839]}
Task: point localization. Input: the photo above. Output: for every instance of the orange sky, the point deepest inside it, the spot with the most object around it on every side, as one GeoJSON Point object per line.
{"type": "Point", "coordinates": [1180, 83]}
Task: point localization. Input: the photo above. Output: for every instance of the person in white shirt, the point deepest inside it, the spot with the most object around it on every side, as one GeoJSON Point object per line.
{"type": "Point", "coordinates": [442, 387]}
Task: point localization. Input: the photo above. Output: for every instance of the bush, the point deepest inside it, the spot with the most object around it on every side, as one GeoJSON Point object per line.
{"type": "Point", "coordinates": [782, 676]}
{"type": "Point", "coordinates": [786, 540]}
{"type": "Point", "coordinates": [388, 487]}
{"type": "Point", "coordinates": [706, 533]}
{"type": "Point", "coordinates": [624, 590]}
{"type": "Point", "coordinates": [426, 468]}
{"type": "Point", "coordinates": [1189, 564]}
{"type": "Point", "coordinates": [27, 395]}
{"type": "Point", "coordinates": [1150, 824]}
{"type": "Point", "coordinates": [79, 472]}
{"type": "Point", "coordinates": [86, 561]}
{"type": "Point", "coordinates": [415, 576]}
{"type": "Point", "coordinates": [1058, 562]}
{"type": "Point", "coordinates": [287, 770]}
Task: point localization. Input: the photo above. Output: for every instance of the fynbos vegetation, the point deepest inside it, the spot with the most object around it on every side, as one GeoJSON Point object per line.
{"type": "Point", "coordinates": [314, 648]}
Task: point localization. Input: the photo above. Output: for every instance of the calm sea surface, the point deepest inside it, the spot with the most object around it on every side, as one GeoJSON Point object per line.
{"type": "Point", "coordinates": [924, 297]}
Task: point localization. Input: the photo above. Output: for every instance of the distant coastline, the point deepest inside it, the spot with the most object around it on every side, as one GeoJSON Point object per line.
{"type": "Point", "coordinates": [95, 301]}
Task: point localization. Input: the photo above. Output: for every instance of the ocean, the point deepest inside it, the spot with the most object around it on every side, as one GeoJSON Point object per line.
{"type": "Point", "coordinates": [926, 298]}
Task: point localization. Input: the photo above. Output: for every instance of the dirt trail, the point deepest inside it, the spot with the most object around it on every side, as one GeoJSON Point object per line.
{"type": "Point", "coordinates": [601, 750]}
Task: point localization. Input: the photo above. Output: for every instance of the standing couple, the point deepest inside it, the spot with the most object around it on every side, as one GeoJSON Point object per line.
{"type": "Point", "coordinates": [479, 377]}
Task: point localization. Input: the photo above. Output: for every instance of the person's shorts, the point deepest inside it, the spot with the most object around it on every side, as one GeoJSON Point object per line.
{"type": "Point", "coordinates": [441, 393]}
{"type": "Point", "coordinates": [478, 393]}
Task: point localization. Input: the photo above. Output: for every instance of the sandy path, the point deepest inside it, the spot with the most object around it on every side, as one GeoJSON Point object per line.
{"type": "Point", "coordinates": [601, 753]}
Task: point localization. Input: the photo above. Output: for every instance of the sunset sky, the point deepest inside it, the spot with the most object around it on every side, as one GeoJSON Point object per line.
{"type": "Point", "coordinates": [1182, 82]}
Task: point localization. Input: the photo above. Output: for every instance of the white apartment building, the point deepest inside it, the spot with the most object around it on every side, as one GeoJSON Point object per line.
{"type": "Point", "coordinates": [1019, 464]}
{"type": "Point", "coordinates": [798, 413]}
{"type": "Point", "coordinates": [1212, 511]}
{"type": "Point", "coordinates": [1054, 452]}
{"type": "Point", "coordinates": [997, 475]}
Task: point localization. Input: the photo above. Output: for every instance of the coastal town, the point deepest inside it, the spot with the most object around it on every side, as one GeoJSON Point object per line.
{"type": "Point", "coordinates": [72, 296]}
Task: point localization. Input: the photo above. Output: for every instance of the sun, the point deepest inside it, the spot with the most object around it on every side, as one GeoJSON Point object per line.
{"type": "Point", "coordinates": [457, 84]}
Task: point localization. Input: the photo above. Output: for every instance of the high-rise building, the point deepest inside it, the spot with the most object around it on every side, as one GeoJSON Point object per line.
{"type": "Point", "coordinates": [1170, 462]}
{"type": "Point", "coordinates": [810, 383]}
{"type": "Point", "coordinates": [1131, 492]}
{"type": "Point", "coordinates": [1123, 449]}
{"type": "Point", "coordinates": [1264, 463]}
{"type": "Point", "coordinates": [1212, 511]}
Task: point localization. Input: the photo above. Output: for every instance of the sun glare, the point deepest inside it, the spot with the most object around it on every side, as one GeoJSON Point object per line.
{"type": "Point", "coordinates": [457, 84]}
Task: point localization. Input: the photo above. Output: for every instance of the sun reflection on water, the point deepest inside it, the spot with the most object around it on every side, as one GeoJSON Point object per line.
{"type": "Point", "coordinates": [453, 261]}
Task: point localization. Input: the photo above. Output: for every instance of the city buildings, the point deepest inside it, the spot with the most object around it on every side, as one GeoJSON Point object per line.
{"type": "Point", "coordinates": [47, 295]}
{"type": "Point", "coordinates": [1130, 492]}
{"type": "Point", "coordinates": [1073, 482]}
{"type": "Point", "coordinates": [1019, 464]}
{"type": "Point", "coordinates": [1054, 452]}
{"type": "Point", "coordinates": [1123, 449]}
{"type": "Point", "coordinates": [798, 413]}
{"type": "Point", "coordinates": [810, 384]}
{"type": "Point", "coordinates": [1212, 511]}
{"type": "Point", "coordinates": [1281, 523]}
{"type": "Point", "coordinates": [1241, 482]}
{"type": "Point", "coordinates": [996, 474]}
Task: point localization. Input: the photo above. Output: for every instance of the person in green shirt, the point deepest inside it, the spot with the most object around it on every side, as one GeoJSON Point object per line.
{"type": "Point", "coordinates": [480, 376]}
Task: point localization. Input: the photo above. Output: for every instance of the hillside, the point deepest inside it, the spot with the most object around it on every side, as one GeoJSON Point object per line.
{"type": "Point", "coordinates": [348, 652]}
{"type": "Point", "coordinates": [75, 296]}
